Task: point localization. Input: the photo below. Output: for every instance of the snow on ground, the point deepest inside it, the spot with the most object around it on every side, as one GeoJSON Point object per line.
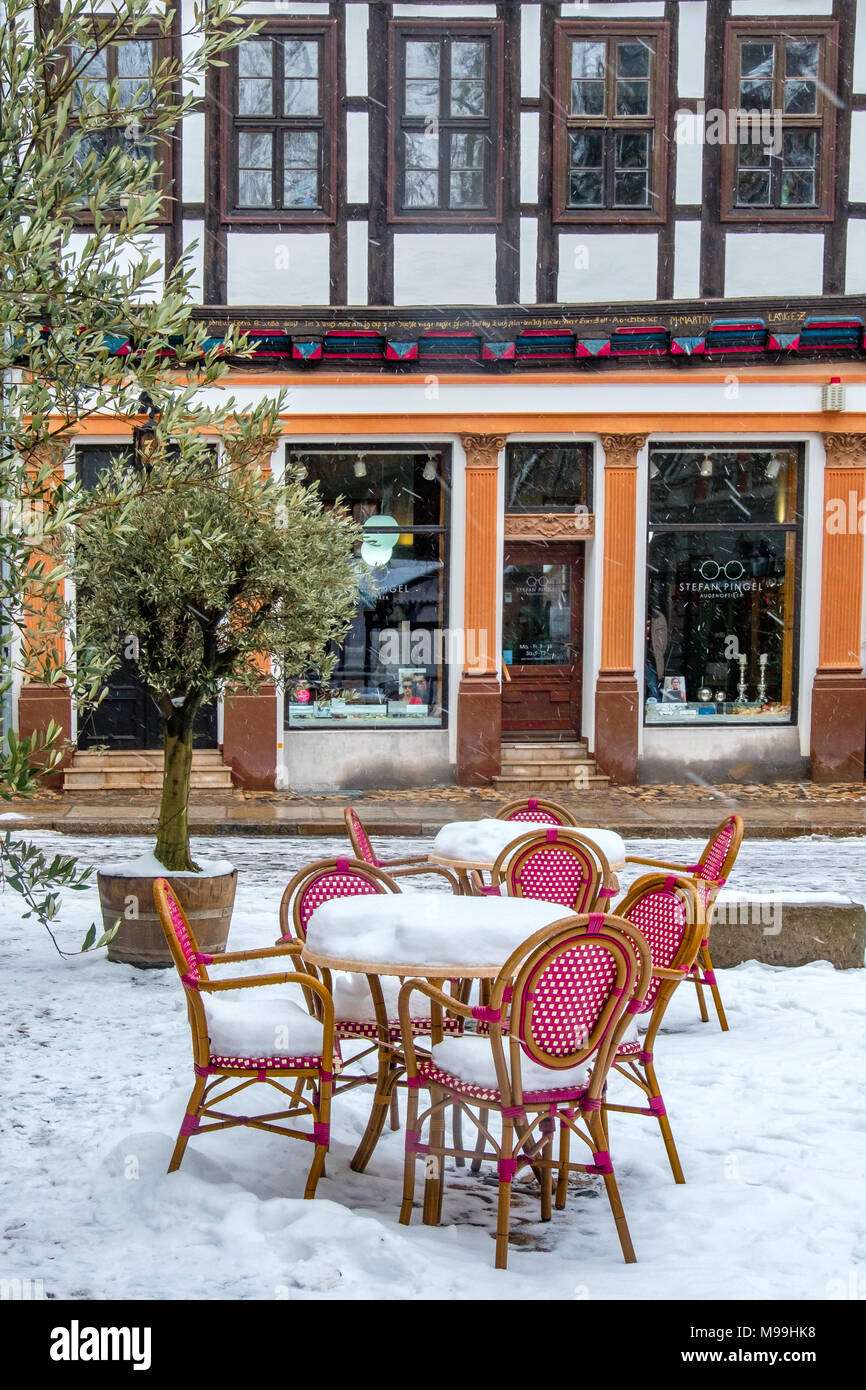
{"type": "Point", "coordinates": [768, 1118]}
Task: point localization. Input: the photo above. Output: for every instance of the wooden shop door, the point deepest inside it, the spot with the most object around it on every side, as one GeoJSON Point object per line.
{"type": "Point", "coordinates": [542, 639]}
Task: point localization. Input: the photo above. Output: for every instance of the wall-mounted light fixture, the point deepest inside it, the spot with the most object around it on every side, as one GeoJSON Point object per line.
{"type": "Point", "coordinates": [359, 467]}
{"type": "Point", "coordinates": [705, 467]}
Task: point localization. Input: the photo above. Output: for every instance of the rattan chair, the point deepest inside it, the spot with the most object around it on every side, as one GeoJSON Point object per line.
{"type": "Point", "coordinates": [535, 808]}
{"type": "Point", "coordinates": [308, 889]}
{"type": "Point", "coordinates": [557, 1011]}
{"type": "Point", "coordinates": [409, 867]}
{"type": "Point", "coordinates": [709, 874]}
{"type": "Point", "coordinates": [665, 911]}
{"type": "Point", "coordinates": [290, 1045]}
{"type": "Point", "coordinates": [556, 865]}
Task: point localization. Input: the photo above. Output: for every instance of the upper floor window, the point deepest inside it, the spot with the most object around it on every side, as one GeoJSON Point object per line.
{"type": "Point", "coordinates": [279, 143]}
{"type": "Point", "coordinates": [445, 122]}
{"type": "Point", "coordinates": [609, 111]}
{"type": "Point", "coordinates": [778, 157]}
{"type": "Point", "coordinates": [112, 98]}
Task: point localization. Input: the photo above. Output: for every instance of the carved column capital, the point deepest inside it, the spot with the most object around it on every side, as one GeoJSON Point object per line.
{"type": "Point", "coordinates": [621, 450]}
{"type": "Point", "coordinates": [482, 450]}
{"type": "Point", "coordinates": [845, 450]}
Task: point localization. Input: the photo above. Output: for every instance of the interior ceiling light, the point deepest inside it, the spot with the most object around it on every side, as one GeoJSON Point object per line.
{"type": "Point", "coordinates": [705, 467]}
{"type": "Point", "coordinates": [773, 467]}
{"type": "Point", "coordinates": [359, 467]}
{"type": "Point", "coordinates": [430, 469]}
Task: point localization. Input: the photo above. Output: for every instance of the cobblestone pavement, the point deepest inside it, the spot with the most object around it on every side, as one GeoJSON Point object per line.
{"type": "Point", "coordinates": [777, 810]}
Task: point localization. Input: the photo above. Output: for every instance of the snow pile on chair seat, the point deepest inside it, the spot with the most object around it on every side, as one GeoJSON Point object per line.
{"type": "Point", "coordinates": [471, 1059]}
{"type": "Point", "coordinates": [354, 1002]}
{"type": "Point", "coordinates": [419, 930]}
{"type": "Point", "coordinates": [263, 1023]}
{"type": "Point", "coordinates": [481, 841]}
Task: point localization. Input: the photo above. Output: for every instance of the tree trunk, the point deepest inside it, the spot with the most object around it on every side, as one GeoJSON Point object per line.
{"type": "Point", "coordinates": [172, 836]}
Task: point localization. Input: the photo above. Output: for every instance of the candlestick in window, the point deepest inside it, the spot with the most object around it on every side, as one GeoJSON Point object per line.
{"type": "Point", "coordinates": [762, 682]}
{"type": "Point", "coordinates": [741, 687]}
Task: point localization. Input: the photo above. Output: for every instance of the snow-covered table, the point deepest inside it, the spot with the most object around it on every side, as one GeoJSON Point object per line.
{"type": "Point", "coordinates": [437, 936]}
{"type": "Point", "coordinates": [471, 847]}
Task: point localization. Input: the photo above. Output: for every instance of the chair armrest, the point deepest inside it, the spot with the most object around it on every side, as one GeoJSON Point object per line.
{"type": "Point", "coordinates": [390, 864]}
{"type": "Point", "coordinates": [681, 869]}
{"type": "Point", "coordinates": [256, 953]}
{"type": "Point", "coordinates": [411, 870]}
{"type": "Point", "coordinates": [288, 977]}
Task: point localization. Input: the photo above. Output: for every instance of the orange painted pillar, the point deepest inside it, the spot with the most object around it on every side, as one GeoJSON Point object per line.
{"type": "Point", "coordinates": [616, 692]}
{"type": "Point", "coordinates": [479, 708]}
{"type": "Point", "coordinates": [838, 736]}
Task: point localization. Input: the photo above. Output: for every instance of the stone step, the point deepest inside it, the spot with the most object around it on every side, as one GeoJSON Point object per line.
{"type": "Point", "coordinates": [561, 782]}
{"type": "Point", "coordinates": [543, 752]}
{"type": "Point", "coordinates": [141, 770]}
{"type": "Point", "coordinates": [531, 771]}
{"type": "Point", "coordinates": [140, 757]}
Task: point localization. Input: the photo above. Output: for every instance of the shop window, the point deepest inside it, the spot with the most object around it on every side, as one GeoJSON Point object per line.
{"type": "Point", "coordinates": [390, 669]}
{"type": "Point", "coordinates": [547, 477]}
{"type": "Point", "coordinates": [722, 584]}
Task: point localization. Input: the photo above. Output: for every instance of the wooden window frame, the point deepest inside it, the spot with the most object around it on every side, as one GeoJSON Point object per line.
{"type": "Point", "coordinates": [657, 32]}
{"type": "Point", "coordinates": [163, 48]}
{"type": "Point", "coordinates": [824, 122]}
{"type": "Point", "coordinates": [326, 31]}
{"type": "Point", "coordinates": [399, 30]}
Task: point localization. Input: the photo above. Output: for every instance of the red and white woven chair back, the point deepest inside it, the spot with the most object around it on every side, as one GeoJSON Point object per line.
{"type": "Point", "coordinates": [534, 809]}
{"type": "Point", "coordinates": [712, 861]}
{"type": "Point", "coordinates": [554, 871]}
{"type": "Point", "coordinates": [178, 933]}
{"type": "Point", "coordinates": [572, 991]}
{"type": "Point", "coordinates": [337, 880]}
{"type": "Point", "coordinates": [360, 839]}
{"type": "Point", "coordinates": [662, 916]}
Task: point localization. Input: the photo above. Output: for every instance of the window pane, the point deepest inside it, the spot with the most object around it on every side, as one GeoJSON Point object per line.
{"type": "Point", "coordinates": [468, 97]}
{"type": "Point", "coordinates": [254, 97]}
{"type": "Point", "coordinates": [536, 616]}
{"type": "Point", "coordinates": [631, 190]}
{"type": "Point", "coordinates": [421, 189]}
{"type": "Point", "coordinates": [799, 149]}
{"type": "Point", "coordinates": [585, 190]}
{"type": "Point", "coordinates": [632, 98]}
{"type": "Point", "coordinates": [301, 58]}
{"type": "Point", "coordinates": [300, 97]}
{"type": "Point", "coordinates": [801, 98]}
{"type": "Point", "coordinates": [712, 484]}
{"type": "Point", "coordinates": [93, 80]}
{"type": "Point", "coordinates": [301, 149]}
{"type": "Point", "coordinates": [98, 143]}
{"type": "Point", "coordinates": [587, 98]}
{"type": "Point", "coordinates": [587, 59]}
{"type": "Point", "coordinates": [300, 188]}
{"type": "Point", "coordinates": [254, 189]}
{"type": "Point", "coordinates": [468, 60]}
{"type": "Point", "coordinates": [546, 476]}
{"type": "Point", "coordinates": [422, 59]}
{"type": "Point", "coordinates": [801, 58]}
{"type": "Point", "coordinates": [422, 98]}
{"type": "Point", "coordinates": [134, 58]}
{"type": "Point", "coordinates": [255, 159]}
{"type": "Point", "coordinates": [703, 589]}
{"type": "Point", "coordinates": [467, 189]}
{"type": "Point", "coordinates": [756, 96]}
{"type": "Point", "coordinates": [467, 151]}
{"type": "Point", "coordinates": [301, 87]}
{"type": "Point", "coordinates": [798, 188]}
{"type": "Point", "coordinates": [753, 154]}
{"type": "Point", "coordinates": [632, 151]}
{"type": "Point", "coordinates": [422, 151]}
{"type": "Point", "coordinates": [255, 58]}
{"type": "Point", "coordinates": [753, 189]}
{"type": "Point", "coordinates": [632, 59]}
{"type": "Point", "coordinates": [586, 149]}
{"type": "Point", "coordinates": [756, 59]}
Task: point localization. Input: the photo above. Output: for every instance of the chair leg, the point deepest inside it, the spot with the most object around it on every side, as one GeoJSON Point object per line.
{"type": "Point", "coordinates": [484, 1116]}
{"type": "Point", "coordinates": [547, 1180]}
{"type": "Point", "coordinates": [503, 1210]}
{"type": "Point", "coordinates": [386, 1078]}
{"type": "Point", "coordinates": [192, 1109]}
{"type": "Point", "coordinates": [435, 1175]}
{"type": "Point", "coordinates": [664, 1125]}
{"type": "Point", "coordinates": [457, 1133]}
{"type": "Point", "coordinates": [411, 1158]}
{"type": "Point", "coordinates": [562, 1179]}
{"type": "Point", "coordinates": [702, 1003]}
{"type": "Point", "coordinates": [316, 1171]}
{"type": "Point", "coordinates": [707, 962]}
{"type": "Point", "coordinates": [394, 1111]}
{"type": "Point", "coordinates": [614, 1199]}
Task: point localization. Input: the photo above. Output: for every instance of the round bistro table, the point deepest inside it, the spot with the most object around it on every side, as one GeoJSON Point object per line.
{"type": "Point", "coordinates": [430, 936]}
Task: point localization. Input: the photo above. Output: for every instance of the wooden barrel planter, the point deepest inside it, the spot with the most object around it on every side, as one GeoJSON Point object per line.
{"type": "Point", "coordinates": [207, 901]}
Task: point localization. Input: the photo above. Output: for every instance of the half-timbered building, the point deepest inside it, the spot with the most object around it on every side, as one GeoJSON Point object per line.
{"type": "Point", "coordinates": [568, 300]}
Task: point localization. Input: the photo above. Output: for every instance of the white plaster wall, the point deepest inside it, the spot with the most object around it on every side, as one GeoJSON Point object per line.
{"type": "Point", "coordinates": [857, 176]}
{"type": "Point", "coordinates": [855, 257]}
{"type": "Point", "coordinates": [357, 156]}
{"type": "Point", "coordinates": [801, 8]}
{"type": "Point", "coordinates": [445, 268]}
{"type": "Point", "coordinates": [193, 231]}
{"type": "Point", "coordinates": [607, 267]}
{"type": "Point", "coordinates": [530, 50]}
{"type": "Point", "coordinates": [357, 23]}
{"type": "Point", "coordinates": [356, 247]}
{"type": "Point", "coordinates": [189, 43]}
{"type": "Point", "coordinates": [691, 33]}
{"type": "Point", "coordinates": [528, 259]}
{"type": "Point", "coordinates": [154, 249]}
{"type": "Point", "coordinates": [192, 158]}
{"type": "Point", "coordinates": [353, 759]}
{"type": "Point", "coordinates": [773, 263]}
{"type": "Point", "coordinates": [250, 8]}
{"type": "Point", "coordinates": [689, 154]}
{"type": "Point", "coordinates": [860, 48]}
{"type": "Point", "coordinates": [445, 11]}
{"type": "Point", "coordinates": [278, 268]}
{"type": "Point", "coordinates": [647, 9]}
{"type": "Point", "coordinates": [687, 260]}
{"type": "Point", "coordinates": [529, 156]}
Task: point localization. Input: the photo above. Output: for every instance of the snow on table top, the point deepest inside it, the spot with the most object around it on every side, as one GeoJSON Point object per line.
{"type": "Point", "coordinates": [426, 929]}
{"type": "Point", "coordinates": [480, 841]}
